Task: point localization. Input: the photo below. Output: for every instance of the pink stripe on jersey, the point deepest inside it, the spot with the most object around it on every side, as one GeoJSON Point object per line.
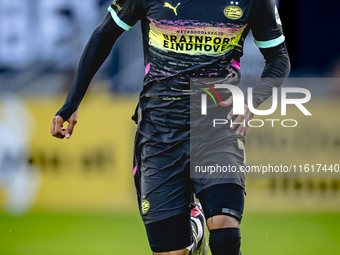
{"type": "Point", "coordinates": [236, 64]}
{"type": "Point", "coordinates": [147, 69]}
{"type": "Point", "coordinates": [134, 171]}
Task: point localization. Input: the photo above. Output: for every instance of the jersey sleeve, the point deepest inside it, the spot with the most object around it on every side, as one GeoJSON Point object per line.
{"type": "Point", "coordinates": [266, 24]}
{"type": "Point", "coordinates": [126, 13]}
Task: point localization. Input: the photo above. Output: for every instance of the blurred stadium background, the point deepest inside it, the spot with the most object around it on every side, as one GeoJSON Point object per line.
{"type": "Point", "coordinates": [77, 196]}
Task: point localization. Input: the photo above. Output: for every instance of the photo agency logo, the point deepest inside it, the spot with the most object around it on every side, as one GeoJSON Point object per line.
{"type": "Point", "coordinates": [238, 105]}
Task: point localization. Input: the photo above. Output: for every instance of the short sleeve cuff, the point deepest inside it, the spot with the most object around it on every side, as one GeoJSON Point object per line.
{"type": "Point", "coordinates": [270, 43]}
{"type": "Point", "coordinates": [118, 21]}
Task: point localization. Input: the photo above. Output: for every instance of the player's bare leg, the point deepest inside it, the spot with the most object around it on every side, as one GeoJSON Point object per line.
{"type": "Point", "coordinates": [224, 235]}
{"type": "Point", "coordinates": [199, 246]}
{"type": "Point", "coordinates": [222, 221]}
{"type": "Point", "coordinates": [179, 252]}
{"type": "Point", "coordinates": [223, 206]}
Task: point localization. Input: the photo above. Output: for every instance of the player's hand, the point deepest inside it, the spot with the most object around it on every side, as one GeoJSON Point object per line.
{"type": "Point", "coordinates": [57, 129]}
{"type": "Point", "coordinates": [242, 129]}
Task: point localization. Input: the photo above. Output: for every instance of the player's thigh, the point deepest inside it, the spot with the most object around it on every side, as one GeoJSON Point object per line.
{"type": "Point", "coordinates": [171, 234]}
{"type": "Point", "coordinates": [217, 160]}
{"type": "Point", "coordinates": [220, 186]}
{"type": "Point", "coordinates": [164, 192]}
{"type": "Point", "coordinates": [223, 205]}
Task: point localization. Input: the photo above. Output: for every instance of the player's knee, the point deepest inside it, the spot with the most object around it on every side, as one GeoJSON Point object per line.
{"type": "Point", "coordinates": [225, 241]}
{"type": "Point", "coordinates": [222, 221]}
{"type": "Point", "coordinates": [179, 252]}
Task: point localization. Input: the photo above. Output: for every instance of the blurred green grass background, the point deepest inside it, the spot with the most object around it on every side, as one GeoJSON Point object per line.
{"type": "Point", "coordinates": [90, 177]}
{"type": "Point", "coordinates": [123, 233]}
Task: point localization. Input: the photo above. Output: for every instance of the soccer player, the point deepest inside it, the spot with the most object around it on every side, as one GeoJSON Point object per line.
{"type": "Point", "coordinates": [186, 40]}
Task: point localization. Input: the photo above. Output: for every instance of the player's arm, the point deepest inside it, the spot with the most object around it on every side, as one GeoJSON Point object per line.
{"type": "Point", "coordinates": [276, 70]}
{"type": "Point", "coordinates": [96, 51]}
{"type": "Point", "coordinates": [268, 35]}
{"type": "Point", "coordinates": [123, 14]}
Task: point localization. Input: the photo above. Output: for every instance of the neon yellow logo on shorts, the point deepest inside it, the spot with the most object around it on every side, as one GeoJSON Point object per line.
{"type": "Point", "coordinates": [145, 206]}
{"type": "Point", "coordinates": [233, 12]}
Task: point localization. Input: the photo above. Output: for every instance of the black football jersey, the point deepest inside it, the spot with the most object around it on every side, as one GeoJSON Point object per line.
{"type": "Point", "coordinates": [184, 39]}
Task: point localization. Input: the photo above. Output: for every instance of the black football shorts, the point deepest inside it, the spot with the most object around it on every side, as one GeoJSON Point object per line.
{"type": "Point", "coordinates": [165, 181]}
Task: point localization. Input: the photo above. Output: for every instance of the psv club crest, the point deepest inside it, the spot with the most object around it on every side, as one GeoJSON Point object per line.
{"type": "Point", "coordinates": [233, 11]}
